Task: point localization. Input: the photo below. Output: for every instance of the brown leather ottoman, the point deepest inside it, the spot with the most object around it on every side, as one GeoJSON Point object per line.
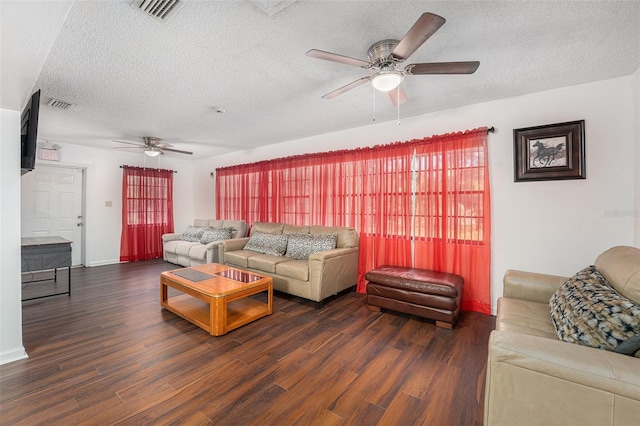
{"type": "Point", "coordinates": [421, 292]}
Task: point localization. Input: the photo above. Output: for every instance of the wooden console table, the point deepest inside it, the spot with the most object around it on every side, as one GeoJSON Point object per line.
{"type": "Point", "coordinates": [45, 253]}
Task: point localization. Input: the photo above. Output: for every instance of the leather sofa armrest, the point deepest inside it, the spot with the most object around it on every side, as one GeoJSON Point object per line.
{"type": "Point", "coordinates": [172, 237]}
{"type": "Point", "coordinates": [528, 375]}
{"type": "Point", "coordinates": [230, 245]}
{"type": "Point", "coordinates": [531, 285]}
{"type": "Point", "coordinates": [213, 244]}
{"type": "Point", "coordinates": [323, 255]}
{"type": "Point", "coordinates": [332, 271]}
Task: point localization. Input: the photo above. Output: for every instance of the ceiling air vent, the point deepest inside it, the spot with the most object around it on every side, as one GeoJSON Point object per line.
{"type": "Point", "coordinates": [57, 103]}
{"type": "Point", "coordinates": [271, 7]}
{"type": "Point", "coordinates": [159, 9]}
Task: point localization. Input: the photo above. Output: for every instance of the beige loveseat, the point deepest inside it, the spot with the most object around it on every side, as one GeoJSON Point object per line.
{"type": "Point", "coordinates": [187, 248]}
{"type": "Point", "coordinates": [533, 378]}
{"type": "Point", "coordinates": [323, 274]}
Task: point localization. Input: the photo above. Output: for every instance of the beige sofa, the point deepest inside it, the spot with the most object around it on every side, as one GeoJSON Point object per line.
{"type": "Point", "coordinates": [533, 378]}
{"type": "Point", "coordinates": [192, 253]}
{"type": "Point", "coordinates": [323, 274]}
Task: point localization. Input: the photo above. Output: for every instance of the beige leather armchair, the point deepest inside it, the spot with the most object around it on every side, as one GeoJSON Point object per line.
{"type": "Point", "coordinates": [535, 379]}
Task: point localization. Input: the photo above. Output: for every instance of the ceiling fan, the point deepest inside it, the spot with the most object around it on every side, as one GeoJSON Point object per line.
{"type": "Point", "coordinates": [385, 55]}
{"type": "Point", "coordinates": [152, 146]}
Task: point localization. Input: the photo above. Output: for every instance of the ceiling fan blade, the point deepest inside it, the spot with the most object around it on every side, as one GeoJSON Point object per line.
{"type": "Point", "coordinates": [443, 68]}
{"type": "Point", "coordinates": [425, 27]}
{"type": "Point", "coordinates": [176, 150]}
{"type": "Point", "coordinates": [349, 86]}
{"type": "Point", "coordinates": [334, 57]}
{"type": "Point", "coordinates": [398, 94]}
{"type": "Point", "coordinates": [130, 143]}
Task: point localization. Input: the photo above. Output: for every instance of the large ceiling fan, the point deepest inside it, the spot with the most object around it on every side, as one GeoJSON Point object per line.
{"type": "Point", "coordinates": [385, 55]}
{"type": "Point", "coordinates": [152, 146]}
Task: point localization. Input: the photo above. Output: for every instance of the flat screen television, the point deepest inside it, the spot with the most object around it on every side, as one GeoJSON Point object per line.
{"type": "Point", "coordinates": [29, 133]}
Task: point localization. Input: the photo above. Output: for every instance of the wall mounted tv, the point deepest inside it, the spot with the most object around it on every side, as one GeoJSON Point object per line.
{"type": "Point", "coordinates": [29, 133]}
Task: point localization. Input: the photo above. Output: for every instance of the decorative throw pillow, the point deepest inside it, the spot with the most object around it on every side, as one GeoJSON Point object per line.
{"type": "Point", "coordinates": [586, 310]}
{"type": "Point", "coordinates": [301, 246]}
{"type": "Point", "coordinates": [215, 234]}
{"type": "Point", "coordinates": [272, 244]}
{"type": "Point", "coordinates": [192, 234]}
{"type": "Point", "coordinates": [630, 346]}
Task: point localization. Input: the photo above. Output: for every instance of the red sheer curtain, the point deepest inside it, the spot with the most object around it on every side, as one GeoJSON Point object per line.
{"type": "Point", "coordinates": [424, 203]}
{"type": "Point", "coordinates": [147, 212]}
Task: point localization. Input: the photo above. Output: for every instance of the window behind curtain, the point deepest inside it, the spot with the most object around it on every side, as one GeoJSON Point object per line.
{"type": "Point", "coordinates": [372, 189]}
{"type": "Point", "coordinates": [147, 212]}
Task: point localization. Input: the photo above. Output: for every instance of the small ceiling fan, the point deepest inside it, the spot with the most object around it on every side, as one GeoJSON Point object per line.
{"type": "Point", "coordinates": [152, 146]}
{"type": "Point", "coordinates": [385, 55]}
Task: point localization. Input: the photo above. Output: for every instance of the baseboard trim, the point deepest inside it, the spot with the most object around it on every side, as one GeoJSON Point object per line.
{"type": "Point", "coordinates": [14, 355]}
{"type": "Point", "coordinates": [104, 262]}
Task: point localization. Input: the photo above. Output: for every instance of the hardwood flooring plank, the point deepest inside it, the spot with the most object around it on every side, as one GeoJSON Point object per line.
{"type": "Point", "coordinates": [110, 355]}
{"type": "Point", "coordinates": [366, 384]}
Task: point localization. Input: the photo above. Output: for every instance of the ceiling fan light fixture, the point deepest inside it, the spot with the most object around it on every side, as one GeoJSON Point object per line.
{"type": "Point", "coordinates": [385, 81]}
{"type": "Point", "coordinates": [152, 152]}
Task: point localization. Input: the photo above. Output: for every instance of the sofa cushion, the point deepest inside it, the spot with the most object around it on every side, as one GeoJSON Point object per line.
{"type": "Point", "coordinates": [630, 346]}
{"type": "Point", "coordinates": [192, 233]}
{"type": "Point", "coordinates": [198, 252]}
{"type": "Point", "coordinates": [301, 246]}
{"type": "Point", "coordinates": [207, 223]}
{"type": "Point", "coordinates": [239, 258]}
{"type": "Point", "coordinates": [293, 229]}
{"type": "Point", "coordinates": [525, 316]}
{"type": "Point", "coordinates": [184, 247]}
{"type": "Point", "coordinates": [588, 311]}
{"type": "Point", "coordinates": [296, 269]}
{"type": "Point", "coordinates": [172, 246]}
{"type": "Point", "coordinates": [621, 267]}
{"type": "Point", "coordinates": [347, 237]}
{"type": "Point", "coordinates": [215, 234]}
{"type": "Point", "coordinates": [267, 228]}
{"type": "Point", "coordinates": [238, 228]}
{"type": "Point", "coordinates": [265, 262]}
{"type": "Point", "coordinates": [275, 245]}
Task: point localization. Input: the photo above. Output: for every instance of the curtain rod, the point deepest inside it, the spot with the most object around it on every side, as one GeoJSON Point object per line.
{"type": "Point", "coordinates": [491, 129]}
{"type": "Point", "coordinates": [152, 168]}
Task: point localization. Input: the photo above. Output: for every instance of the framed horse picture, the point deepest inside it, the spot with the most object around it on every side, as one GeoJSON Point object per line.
{"type": "Point", "coordinates": [549, 152]}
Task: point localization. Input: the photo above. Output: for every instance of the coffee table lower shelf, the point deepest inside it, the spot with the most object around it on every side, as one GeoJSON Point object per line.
{"type": "Point", "coordinates": [239, 312]}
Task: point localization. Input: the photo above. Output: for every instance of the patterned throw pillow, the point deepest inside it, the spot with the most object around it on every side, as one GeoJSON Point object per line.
{"type": "Point", "coordinates": [192, 234]}
{"type": "Point", "coordinates": [586, 310]}
{"type": "Point", "coordinates": [272, 244]}
{"type": "Point", "coordinates": [301, 246]}
{"type": "Point", "coordinates": [215, 234]}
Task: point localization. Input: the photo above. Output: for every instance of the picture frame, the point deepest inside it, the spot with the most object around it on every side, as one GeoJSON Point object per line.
{"type": "Point", "coordinates": [549, 152]}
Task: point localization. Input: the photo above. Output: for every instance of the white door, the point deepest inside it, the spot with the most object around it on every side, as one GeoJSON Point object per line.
{"type": "Point", "coordinates": [51, 204]}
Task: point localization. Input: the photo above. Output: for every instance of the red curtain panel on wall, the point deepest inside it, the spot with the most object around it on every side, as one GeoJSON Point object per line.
{"type": "Point", "coordinates": [422, 203]}
{"type": "Point", "coordinates": [147, 212]}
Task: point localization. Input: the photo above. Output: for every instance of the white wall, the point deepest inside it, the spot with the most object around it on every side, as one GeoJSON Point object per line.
{"type": "Point", "coordinates": [553, 227]}
{"type": "Point", "coordinates": [103, 224]}
{"type": "Point", "coordinates": [636, 118]}
{"type": "Point", "coordinates": [103, 182]}
{"type": "Point", "coordinates": [11, 348]}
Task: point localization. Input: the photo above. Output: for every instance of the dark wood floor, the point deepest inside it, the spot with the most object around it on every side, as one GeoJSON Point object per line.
{"type": "Point", "coordinates": [110, 355]}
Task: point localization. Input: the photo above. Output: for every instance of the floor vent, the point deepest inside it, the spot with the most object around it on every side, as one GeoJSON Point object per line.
{"type": "Point", "coordinates": [159, 9]}
{"type": "Point", "coordinates": [57, 103]}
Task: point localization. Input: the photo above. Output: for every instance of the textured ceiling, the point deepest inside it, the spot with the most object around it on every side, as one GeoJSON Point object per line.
{"type": "Point", "coordinates": [129, 75]}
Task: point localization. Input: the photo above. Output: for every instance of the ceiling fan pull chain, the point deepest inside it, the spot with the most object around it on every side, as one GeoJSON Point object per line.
{"type": "Point", "coordinates": [374, 103]}
{"type": "Point", "coordinates": [398, 104]}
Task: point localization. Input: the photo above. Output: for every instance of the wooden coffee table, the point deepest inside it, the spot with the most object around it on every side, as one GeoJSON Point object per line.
{"type": "Point", "coordinates": [216, 297]}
